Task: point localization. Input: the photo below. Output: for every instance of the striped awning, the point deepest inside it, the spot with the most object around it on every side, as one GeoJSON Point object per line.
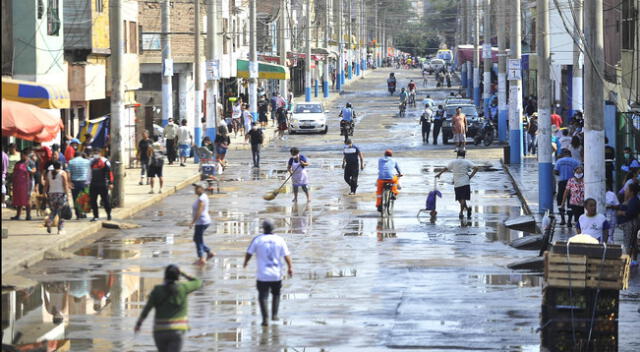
{"type": "Point", "coordinates": [42, 95]}
{"type": "Point", "coordinates": [265, 70]}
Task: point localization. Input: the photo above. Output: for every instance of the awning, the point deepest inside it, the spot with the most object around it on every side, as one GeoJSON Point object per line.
{"type": "Point", "coordinates": [265, 70]}
{"type": "Point", "coordinates": [319, 51]}
{"type": "Point", "coordinates": [42, 95]}
{"type": "Point", "coordinates": [29, 122]}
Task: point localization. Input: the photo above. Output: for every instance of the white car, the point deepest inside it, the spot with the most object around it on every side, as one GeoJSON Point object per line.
{"type": "Point", "coordinates": [308, 117]}
{"type": "Point", "coordinates": [437, 64]}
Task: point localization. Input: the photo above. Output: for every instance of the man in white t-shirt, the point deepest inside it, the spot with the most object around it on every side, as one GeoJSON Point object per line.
{"type": "Point", "coordinates": [460, 168]}
{"type": "Point", "coordinates": [270, 250]}
{"type": "Point", "coordinates": [184, 142]}
{"type": "Point", "coordinates": [593, 224]}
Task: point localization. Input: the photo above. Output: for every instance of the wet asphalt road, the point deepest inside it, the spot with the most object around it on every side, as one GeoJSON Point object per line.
{"type": "Point", "coordinates": [360, 283]}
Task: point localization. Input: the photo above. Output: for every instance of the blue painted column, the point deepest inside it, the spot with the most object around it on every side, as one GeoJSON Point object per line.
{"type": "Point", "coordinates": [307, 94]}
{"type": "Point", "coordinates": [469, 80]}
{"type": "Point", "coordinates": [349, 70]}
{"type": "Point", "coordinates": [315, 88]}
{"type": "Point", "coordinates": [476, 86]}
{"type": "Point", "coordinates": [325, 88]}
{"type": "Point", "coordinates": [364, 64]}
{"type": "Point", "coordinates": [357, 68]}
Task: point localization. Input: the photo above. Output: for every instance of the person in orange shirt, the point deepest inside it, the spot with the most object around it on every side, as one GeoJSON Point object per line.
{"type": "Point", "coordinates": [459, 123]}
{"type": "Point", "coordinates": [556, 120]}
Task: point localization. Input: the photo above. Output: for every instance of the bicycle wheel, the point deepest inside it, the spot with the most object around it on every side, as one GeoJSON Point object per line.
{"type": "Point", "coordinates": [390, 206]}
{"type": "Point", "coordinates": [386, 197]}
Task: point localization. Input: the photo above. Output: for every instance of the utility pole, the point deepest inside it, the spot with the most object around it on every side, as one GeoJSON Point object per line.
{"type": "Point", "coordinates": [340, 80]}
{"type": "Point", "coordinates": [476, 53]}
{"type": "Point", "coordinates": [576, 81]}
{"type": "Point", "coordinates": [594, 167]}
{"type": "Point", "coordinates": [350, 44]}
{"type": "Point", "coordinates": [307, 59]}
{"type": "Point", "coordinates": [545, 167]}
{"type": "Point", "coordinates": [325, 66]}
{"type": "Point", "coordinates": [117, 104]}
{"type": "Point", "coordinates": [282, 48]}
{"type": "Point", "coordinates": [503, 107]}
{"type": "Point", "coordinates": [377, 37]}
{"type": "Point", "coordinates": [197, 64]}
{"type": "Point", "coordinates": [463, 40]}
{"type": "Point", "coordinates": [363, 40]}
{"type": "Point", "coordinates": [385, 49]}
{"type": "Point", "coordinates": [470, 41]}
{"type": "Point", "coordinates": [488, 63]}
{"type": "Point", "coordinates": [253, 62]}
{"type": "Point", "coordinates": [167, 65]}
{"type": "Point", "coordinates": [212, 77]}
{"type": "Point", "coordinates": [515, 89]}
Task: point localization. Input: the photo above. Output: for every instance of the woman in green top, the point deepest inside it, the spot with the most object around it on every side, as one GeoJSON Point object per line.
{"type": "Point", "coordinates": [170, 302]}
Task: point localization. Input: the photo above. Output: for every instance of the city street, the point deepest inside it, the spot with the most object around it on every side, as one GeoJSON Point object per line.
{"type": "Point", "coordinates": [360, 282]}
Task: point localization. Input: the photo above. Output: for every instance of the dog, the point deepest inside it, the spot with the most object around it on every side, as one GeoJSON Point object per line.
{"type": "Point", "coordinates": [38, 203]}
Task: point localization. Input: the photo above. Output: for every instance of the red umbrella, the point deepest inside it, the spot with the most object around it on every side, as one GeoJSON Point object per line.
{"type": "Point", "coordinates": [29, 122]}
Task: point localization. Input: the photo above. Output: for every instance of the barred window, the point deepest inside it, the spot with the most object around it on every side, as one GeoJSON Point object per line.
{"type": "Point", "coordinates": [53, 18]}
{"type": "Point", "coordinates": [629, 23]}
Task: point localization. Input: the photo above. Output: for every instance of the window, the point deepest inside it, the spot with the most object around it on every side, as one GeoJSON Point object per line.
{"type": "Point", "coordinates": [99, 6]}
{"type": "Point", "coordinates": [133, 37]}
{"type": "Point", "coordinates": [53, 18]}
{"type": "Point", "coordinates": [40, 9]}
{"type": "Point", "coordinates": [628, 25]}
{"type": "Point", "coordinates": [125, 49]}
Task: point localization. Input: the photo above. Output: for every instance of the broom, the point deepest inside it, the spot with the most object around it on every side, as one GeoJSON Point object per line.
{"type": "Point", "coordinates": [273, 194]}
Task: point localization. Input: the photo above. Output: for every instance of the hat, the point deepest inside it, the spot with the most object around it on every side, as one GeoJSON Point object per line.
{"type": "Point", "coordinates": [388, 152]}
{"type": "Point", "coordinates": [200, 185]}
{"type": "Point", "coordinates": [74, 140]}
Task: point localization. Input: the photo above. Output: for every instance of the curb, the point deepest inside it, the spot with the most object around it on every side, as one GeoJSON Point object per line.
{"type": "Point", "coordinates": [516, 186]}
{"type": "Point", "coordinates": [119, 213]}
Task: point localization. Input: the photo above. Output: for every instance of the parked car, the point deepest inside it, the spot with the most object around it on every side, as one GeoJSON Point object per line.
{"type": "Point", "coordinates": [473, 120]}
{"type": "Point", "coordinates": [426, 66]}
{"type": "Point", "coordinates": [437, 65]}
{"type": "Point", "coordinates": [308, 117]}
{"type": "Point", "coordinates": [459, 101]}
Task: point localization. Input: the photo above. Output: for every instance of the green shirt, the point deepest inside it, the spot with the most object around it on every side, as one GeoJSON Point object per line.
{"type": "Point", "coordinates": [171, 311]}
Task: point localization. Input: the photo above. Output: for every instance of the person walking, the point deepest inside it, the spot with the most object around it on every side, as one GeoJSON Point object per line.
{"type": "Point", "coordinates": [170, 302]}
{"type": "Point", "coordinates": [143, 154]}
{"type": "Point", "coordinates": [80, 171]}
{"type": "Point", "coordinates": [460, 167]}
{"type": "Point", "coordinates": [575, 192]}
{"type": "Point", "coordinates": [200, 222]}
{"type": "Point", "coordinates": [170, 134]}
{"type": "Point", "coordinates": [5, 172]}
{"type": "Point", "coordinates": [255, 137]}
{"type": "Point", "coordinates": [72, 149]}
{"type": "Point", "coordinates": [459, 123]}
{"type": "Point", "coordinates": [438, 118]}
{"type": "Point", "coordinates": [270, 250]}
{"type": "Point", "coordinates": [564, 171]}
{"type": "Point", "coordinates": [221, 144]}
{"type": "Point", "coordinates": [593, 224]}
{"type": "Point", "coordinates": [101, 183]}
{"type": "Point", "coordinates": [236, 116]}
{"type": "Point", "coordinates": [156, 164]}
{"type": "Point", "coordinates": [23, 172]}
{"type": "Point", "coordinates": [352, 163]}
{"type": "Point", "coordinates": [263, 110]}
{"type": "Point", "coordinates": [281, 115]}
{"type": "Point", "coordinates": [297, 168]}
{"type": "Point", "coordinates": [629, 218]}
{"type": "Point", "coordinates": [185, 140]}
{"type": "Point", "coordinates": [425, 121]}
{"type": "Point", "coordinates": [247, 119]}
{"type": "Point", "coordinates": [56, 186]}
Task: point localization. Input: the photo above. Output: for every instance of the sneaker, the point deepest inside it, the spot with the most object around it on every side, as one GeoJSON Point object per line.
{"type": "Point", "coordinates": [93, 219]}
{"type": "Point", "coordinates": [61, 232]}
{"type": "Point", "coordinates": [151, 192]}
{"type": "Point", "coordinates": [140, 183]}
{"type": "Point", "coordinates": [28, 217]}
{"type": "Point", "coordinates": [109, 217]}
{"type": "Point", "coordinates": [48, 228]}
{"type": "Point", "coordinates": [15, 218]}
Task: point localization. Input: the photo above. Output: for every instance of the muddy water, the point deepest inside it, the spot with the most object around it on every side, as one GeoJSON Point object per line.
{"type": "Point", "coordinates": [360, 283]}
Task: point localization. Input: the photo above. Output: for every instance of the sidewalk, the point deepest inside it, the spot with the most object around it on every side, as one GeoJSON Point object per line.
{"type": "Point", "coordinates": [525, 180]}
{"type": "Point", "coordinates": [28, 242]}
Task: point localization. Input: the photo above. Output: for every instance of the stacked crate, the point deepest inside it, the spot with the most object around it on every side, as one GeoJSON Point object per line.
{"type": "Point", "coordinates": [581, 297]}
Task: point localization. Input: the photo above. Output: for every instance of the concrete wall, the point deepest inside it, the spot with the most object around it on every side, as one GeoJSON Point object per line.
{"type": "Point", "coordinates": [87, 81]}
{"type": "Point", "coordinates": [7, 38]}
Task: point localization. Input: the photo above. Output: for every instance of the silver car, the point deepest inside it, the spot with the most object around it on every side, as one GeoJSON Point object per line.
{"type": "Point", "coordinates": [308, 118]}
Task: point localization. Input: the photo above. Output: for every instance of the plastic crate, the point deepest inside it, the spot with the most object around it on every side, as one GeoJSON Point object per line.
{"type": "Point", "coordinates": [580, 271]}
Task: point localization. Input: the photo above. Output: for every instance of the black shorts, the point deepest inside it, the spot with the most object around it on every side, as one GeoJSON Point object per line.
{"type": "Point", "coordinates": [265, 286]}
{"type": "Point", "coordinates": [155, 171]}
{"type": "Point", "coordinates": [463, 192]}
{"type": "Point", "coordinates": [562, 185]}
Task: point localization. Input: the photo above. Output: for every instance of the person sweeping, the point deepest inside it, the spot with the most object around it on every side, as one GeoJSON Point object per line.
{"type": "Point", "coordinates": [431, 200]}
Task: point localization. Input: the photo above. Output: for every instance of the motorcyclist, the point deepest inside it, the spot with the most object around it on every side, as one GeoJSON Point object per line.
{"type": "Point", "coordinates": [348, 115]}
{"type": "Point", "coordinates": [386, 167]}
{"type": "Point", "coordinates": [412, 90]}
{"type": "Point", "coordinates": [391, 83]}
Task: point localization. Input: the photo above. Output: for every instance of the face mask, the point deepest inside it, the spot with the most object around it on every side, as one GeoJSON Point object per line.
{"type": "Point", "coordinates": [254, 127]}
{"type": "Point", "coordinates": [579, 175]}
{"type": "Point", "coordinates": [627, 156]}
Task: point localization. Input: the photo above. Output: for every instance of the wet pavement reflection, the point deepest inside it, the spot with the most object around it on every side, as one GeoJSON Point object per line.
{"type": "Point", "coordinates": [361, 283]}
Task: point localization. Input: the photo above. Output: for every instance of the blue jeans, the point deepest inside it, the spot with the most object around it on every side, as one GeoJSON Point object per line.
{"type": "Point", "coordinates": [201, 248]}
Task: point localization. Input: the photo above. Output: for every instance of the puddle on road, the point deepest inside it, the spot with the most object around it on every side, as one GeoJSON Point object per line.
{"type": "Point", "coordinates": [513, 279]}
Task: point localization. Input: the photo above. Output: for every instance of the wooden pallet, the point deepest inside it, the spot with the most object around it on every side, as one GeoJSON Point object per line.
{"type": "Point", "coordinates": [580, 271]}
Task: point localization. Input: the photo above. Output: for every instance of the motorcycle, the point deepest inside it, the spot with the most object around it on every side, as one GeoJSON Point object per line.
{"type": "Point", "coordinates": [346, 128]}
{"type": "Point", "coordinates": [487, 133]}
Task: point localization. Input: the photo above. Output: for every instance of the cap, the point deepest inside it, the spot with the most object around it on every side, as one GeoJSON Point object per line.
{"type": "Point", "coordinates": [74, 140]}
{"type": "Point", "coordinates": [199, 184]}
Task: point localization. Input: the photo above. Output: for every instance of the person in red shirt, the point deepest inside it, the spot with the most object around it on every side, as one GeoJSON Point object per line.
{"type": "Point", "coordinates": [70, 151]}
{"type": "Point", "coordinates": [556, 120]}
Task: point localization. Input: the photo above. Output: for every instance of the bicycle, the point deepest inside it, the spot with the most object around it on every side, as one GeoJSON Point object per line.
{"type": "Point", "coordinates": [403, 109]}
{"type": "Point", "coordinates": [388, 198]}
{"type": "Point", "coordinates": [412, 99]}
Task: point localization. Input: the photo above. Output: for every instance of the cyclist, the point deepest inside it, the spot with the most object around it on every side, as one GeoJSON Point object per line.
{"type": "Point", "coordinates": [412, 91]}
{"type": "Point", "coordinates": [391, 83]}
{"type": "Point", "coordinates": [403, 99]}
{"type": "Point", "coordinates": [348, 115]}
{"type": "Point", "coordinates": [386, 167]}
